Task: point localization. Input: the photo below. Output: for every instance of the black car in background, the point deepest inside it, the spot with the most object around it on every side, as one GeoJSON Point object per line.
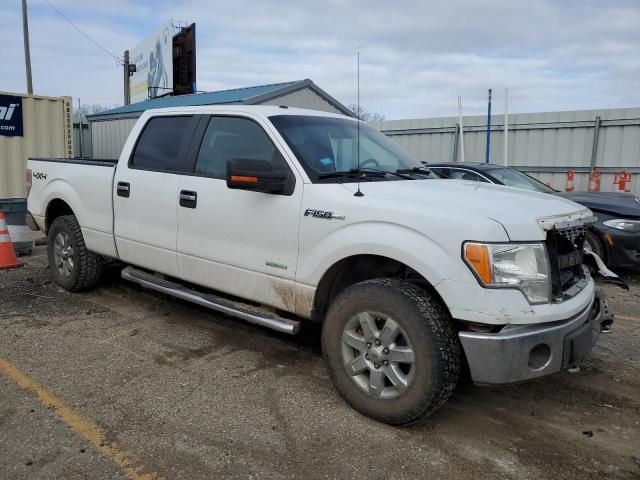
{"type": "Point", "coordinates": [615, 237]}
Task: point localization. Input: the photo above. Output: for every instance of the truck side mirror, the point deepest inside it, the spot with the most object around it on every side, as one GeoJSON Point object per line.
{"type": "Point", "coordinates": [256, 175]}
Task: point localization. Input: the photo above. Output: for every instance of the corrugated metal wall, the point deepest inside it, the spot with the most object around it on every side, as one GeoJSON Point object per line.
{"type": "Point", "coordinates": [108, 136]}
{"type": "Point", "coordinates": [543, 144]}
{"type": "Point", "coordinates": [83, 150]}
{"type": "Point", "coordinates": [47, 131]}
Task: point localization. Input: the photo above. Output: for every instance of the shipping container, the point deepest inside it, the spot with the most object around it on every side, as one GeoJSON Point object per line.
{"type": "Point", "coordinates": [31, 126]}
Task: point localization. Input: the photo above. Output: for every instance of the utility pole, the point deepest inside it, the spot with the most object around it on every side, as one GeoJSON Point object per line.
{"type": "Point", "coordinates": [506, 126]}
{"type": "Point", "coordinates": [27, 51]}
{"type": "Point", "coordinates": [461, 135]}
{"type": "Point", "coordinates": [127, 93]}
{"type": "Point", "coordinates": [488, 154]}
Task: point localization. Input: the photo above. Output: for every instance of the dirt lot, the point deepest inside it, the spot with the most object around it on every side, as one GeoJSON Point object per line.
{"type": "Point", "coordinates": [123, 381]}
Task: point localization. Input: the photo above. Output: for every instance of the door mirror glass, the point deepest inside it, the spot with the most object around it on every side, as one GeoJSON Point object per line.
{"type": "Point", "coordinates": [256, 175]}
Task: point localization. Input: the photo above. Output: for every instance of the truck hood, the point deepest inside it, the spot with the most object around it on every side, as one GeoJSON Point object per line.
{"type": "Point", "coordinates": [524, 215]}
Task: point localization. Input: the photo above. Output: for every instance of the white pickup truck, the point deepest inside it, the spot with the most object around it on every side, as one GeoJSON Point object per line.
{"type": "Point", "coordinates": [277, 215]}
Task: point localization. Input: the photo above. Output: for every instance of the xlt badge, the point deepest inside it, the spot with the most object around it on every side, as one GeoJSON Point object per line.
{"type": "Point", "coordinates": [310, 212]}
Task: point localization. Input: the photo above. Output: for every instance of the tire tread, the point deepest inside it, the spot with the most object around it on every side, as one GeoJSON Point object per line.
{"type": "Point", "coordinates": [438, 322]}
{"type": "Point", "coordinates": [89, 264]}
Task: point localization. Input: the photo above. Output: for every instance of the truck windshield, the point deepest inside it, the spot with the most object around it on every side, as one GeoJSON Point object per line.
{"type": "Point", "coordinates": [324, 145]}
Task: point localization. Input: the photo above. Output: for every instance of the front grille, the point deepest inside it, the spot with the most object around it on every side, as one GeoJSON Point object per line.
{"type": "Point", "coordinates": [569, 260]}
{"type": "Point", "coordinates": [565, 257]}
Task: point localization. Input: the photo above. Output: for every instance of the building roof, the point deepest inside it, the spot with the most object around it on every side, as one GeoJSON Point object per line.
{"type": "Point", "coordinates": [247, 95]}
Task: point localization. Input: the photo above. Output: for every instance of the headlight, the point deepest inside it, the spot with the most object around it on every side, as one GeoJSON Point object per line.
{"type": "Point", "coordinates": [512, 265]}
{"type": "Point", "coordinates": [626, 225]}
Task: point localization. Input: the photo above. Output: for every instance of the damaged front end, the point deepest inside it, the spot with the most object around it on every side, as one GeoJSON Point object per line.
{"type": "Point", "coordinates": [518, 353]}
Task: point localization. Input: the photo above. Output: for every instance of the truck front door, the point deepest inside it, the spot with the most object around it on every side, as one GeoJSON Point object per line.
{"type": "Point", "coordinates": [236, 241]}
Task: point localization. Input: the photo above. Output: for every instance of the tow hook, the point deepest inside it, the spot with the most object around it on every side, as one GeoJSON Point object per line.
{"type": "Point", "coordinates": [606, 315]}
{"type": "Point", "coordinates": [605, 327]}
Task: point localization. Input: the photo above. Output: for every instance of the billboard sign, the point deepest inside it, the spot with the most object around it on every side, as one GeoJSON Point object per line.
{"type": "Point", "coordinates": [153, 58]}
{"type": "Point", "coordinates": [10, 116]}
{"type": "Point", "coordinates": [184, 61]}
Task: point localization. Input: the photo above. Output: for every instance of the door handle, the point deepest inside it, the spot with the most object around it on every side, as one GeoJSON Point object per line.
{"type": "Point", "coordinates": [188, 199]}
{"type": "Point", "coordinates": [123, 189]}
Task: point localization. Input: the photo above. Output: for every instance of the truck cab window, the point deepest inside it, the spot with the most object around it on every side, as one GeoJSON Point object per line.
{"type": "Point", "coordinates": [161, 143]}
{"type": "Point", "coordinates": [228, 138]}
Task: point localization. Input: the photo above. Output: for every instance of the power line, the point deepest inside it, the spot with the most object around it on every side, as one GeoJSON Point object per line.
{"type": "Point", "coordinates": [115, 57]}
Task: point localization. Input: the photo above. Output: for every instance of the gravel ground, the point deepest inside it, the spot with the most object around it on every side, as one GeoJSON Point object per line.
{"type": "Point", "coordinates": [191, 394]}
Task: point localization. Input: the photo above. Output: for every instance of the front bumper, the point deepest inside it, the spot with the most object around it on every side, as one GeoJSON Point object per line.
{"type": "Point", "coordinates": [524, 352]}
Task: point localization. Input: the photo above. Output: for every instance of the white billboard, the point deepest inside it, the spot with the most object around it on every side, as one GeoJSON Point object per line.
{"type": "Point", "coordinates": [153, 58]}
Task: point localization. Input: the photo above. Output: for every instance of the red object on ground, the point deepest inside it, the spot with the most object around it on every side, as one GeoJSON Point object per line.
{"type": "Point", "coordinates": [569, 186]}
{"type": "Point", "coordinates": [7, 253]}
{"type": "Point", "coordinates": [594, 180]}
{"type": "Point", "coordinates": [623, 179]}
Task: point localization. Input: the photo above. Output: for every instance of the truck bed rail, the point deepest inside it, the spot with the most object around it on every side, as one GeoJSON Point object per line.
{"type": "Point", "coordinates": [98, 162]}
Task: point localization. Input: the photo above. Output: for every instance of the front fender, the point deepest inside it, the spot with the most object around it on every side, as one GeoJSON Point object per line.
{"type": "Point", "coordinates": [435, 262]}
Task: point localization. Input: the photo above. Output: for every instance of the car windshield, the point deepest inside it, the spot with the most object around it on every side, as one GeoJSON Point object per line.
{"type": "Point", "coordinates": [513, 178]}
{"type": "Point", "coordinates": [325, 145]}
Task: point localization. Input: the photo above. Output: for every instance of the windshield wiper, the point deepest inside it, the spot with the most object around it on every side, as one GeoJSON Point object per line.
{"type": "Point", "coordinates": [364, 173]}
{"type": "Point", "coordinates": [354, 172]}
{"type": "Point", "coordinates": [396, 173]}
{"type": "Point", "coordinates": [424, 170]}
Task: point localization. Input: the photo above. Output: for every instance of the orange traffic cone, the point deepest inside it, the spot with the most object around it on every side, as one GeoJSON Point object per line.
{"type": "Point", "coordinates": [7, 253]}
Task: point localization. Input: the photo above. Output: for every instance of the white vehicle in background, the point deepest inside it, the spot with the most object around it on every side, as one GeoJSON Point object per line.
{"type": "Point", "coordinates": [277, 215]}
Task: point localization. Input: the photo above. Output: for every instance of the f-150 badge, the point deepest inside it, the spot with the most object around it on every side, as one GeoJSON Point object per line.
{"type": "Point", "coordinates": [310, 212]}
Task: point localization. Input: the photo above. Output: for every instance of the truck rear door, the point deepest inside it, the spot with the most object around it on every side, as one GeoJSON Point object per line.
{"type": "Point", "coordinates": [146, 194]}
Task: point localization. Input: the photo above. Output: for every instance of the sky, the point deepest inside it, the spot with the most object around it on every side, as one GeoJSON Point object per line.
{"type": "Point", "coordinates": [416, 56]}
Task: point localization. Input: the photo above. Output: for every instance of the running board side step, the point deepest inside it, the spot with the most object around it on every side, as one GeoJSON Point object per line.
{"type": "Point", "coordinates": [250, 313]}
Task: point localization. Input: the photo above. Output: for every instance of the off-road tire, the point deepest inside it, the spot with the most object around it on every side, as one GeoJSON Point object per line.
{"type": "Point", "coordinates": [87, 267]}
{"type": "Point", "coordinates": [438, 357]}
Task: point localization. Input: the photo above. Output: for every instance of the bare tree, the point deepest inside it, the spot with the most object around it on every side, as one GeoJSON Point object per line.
{"type": "Point", "coordinates": [365, 115]}
{"type": "Point", "coordinates": [90, 109]}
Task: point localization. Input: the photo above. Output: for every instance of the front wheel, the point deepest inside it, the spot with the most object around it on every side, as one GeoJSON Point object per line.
{"type": "Point", "coordinates": [391, 350]}
{"type": "Point", "coordinates": [73, 267]}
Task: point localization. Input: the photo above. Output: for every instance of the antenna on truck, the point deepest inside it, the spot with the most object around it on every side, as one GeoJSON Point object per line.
{"type": "Point", "coordinates": [358, 193]}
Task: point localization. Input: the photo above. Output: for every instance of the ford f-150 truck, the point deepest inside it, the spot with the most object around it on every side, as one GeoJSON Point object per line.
{"type": "Point", "coordinates": [278, 215]}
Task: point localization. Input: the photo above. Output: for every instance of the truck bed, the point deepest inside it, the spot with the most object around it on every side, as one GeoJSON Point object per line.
{"type": "Point", "coordinates": [85, 186]}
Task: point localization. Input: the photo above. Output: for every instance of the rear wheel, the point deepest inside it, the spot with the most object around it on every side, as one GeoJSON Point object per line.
{"type": "Point", "coordinates": [73, 267]}
{"type": "Point", "coordinates": [391, 350]}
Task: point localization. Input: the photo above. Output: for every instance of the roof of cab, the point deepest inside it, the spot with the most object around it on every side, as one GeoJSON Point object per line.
{"type": "Point", "coordinates": [260, 110]}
